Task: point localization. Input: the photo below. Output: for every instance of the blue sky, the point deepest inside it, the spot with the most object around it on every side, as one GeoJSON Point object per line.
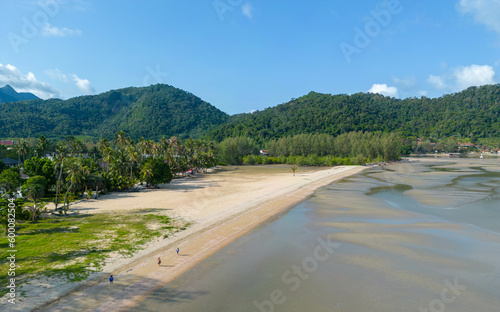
{"type": "Point", "coordinates": [245, 55]}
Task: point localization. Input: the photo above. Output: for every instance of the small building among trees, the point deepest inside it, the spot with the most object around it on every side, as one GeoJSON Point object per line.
{"type": "Point", "coordinates": [9, 162]}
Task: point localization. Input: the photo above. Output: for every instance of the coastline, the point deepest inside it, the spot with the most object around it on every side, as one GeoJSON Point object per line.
{"type": "Point", "coordinates": [249, 202]}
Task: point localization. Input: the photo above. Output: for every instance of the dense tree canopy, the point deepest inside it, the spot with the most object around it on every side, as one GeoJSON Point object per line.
{"type": "Point", "coordinates": [152, 112]}
{"type": "Point", "coordinates": [162, 110]}
{"type": "Point", "coordinates": [10, 179]}
{"type": "Point", "coordinates": [78, 167]}
{"type": "Point", "coordinates": [473, 113]}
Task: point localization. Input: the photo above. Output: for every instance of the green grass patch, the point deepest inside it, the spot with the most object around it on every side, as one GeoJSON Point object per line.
{"type": "Point", "coordinates": [74, 246]}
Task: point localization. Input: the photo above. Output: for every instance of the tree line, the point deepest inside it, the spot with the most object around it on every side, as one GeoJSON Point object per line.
{"type": "Point", "coordinates": [75, 169]}
{"type": "Point", "coordinates": [315, 149]}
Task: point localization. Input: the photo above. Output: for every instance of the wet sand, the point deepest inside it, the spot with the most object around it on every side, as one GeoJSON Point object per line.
{"type": "Point", "coordinates": [407, 237]}
{"type": "Point", "coordinates": [223, 206]}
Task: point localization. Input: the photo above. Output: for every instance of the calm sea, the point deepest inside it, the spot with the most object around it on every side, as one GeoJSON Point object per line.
{"type": "Point", "coordinates": [418, 236]}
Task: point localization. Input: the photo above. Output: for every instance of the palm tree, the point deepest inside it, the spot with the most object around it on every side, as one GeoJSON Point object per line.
{"type": "Point", "coordinates": [154, 148]}
{"type": "Point", "coordinates": [34, 191]}
{"type": "Point", "coordinates": [42, 145]}
{"type": "Point", "coordinates": [163, 145]}
{"type": "Point", "coordinates": [73, 177]}
{"type": "Point", "coordinates": [107, 157]}
{"type": "Point", "coordinates": [142, 147]}
{"type": "Point", "coordinates": [103, 145]}
{"type": "Point", "coordinates": [22, 149]}
{"type": "Point", "coordinates": [121, 141]}
{"type": "Point", "coordinates": [59, 164]}
{"type": "Point", "coordinates": [147, 172]}
{"type": "Point", "coordinates": [133, 157]}
{"type": "Point", "coordinates": [175, 151]}
{"type": "Point", "coordinates": [85, 175]}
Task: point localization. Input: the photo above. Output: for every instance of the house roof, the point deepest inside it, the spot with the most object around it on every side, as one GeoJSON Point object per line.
{"type": "Point", "coordinates": [9, 161]}
{"type": "Point", "coordinates": [6, 142]}
{"type": "Point", "coordinates": [466, 144]}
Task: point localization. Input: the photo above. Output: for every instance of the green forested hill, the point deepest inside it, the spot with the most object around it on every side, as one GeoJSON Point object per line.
{"type": "Point", "coordinates": [162, 110]}
{"type": "Point", "coordinates": [151, 112]}
{"type": "Point", "coordinates": [473, 113]}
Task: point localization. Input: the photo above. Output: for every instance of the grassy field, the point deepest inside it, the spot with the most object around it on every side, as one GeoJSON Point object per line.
{"type": "Point", "coordinates": [76, 245]}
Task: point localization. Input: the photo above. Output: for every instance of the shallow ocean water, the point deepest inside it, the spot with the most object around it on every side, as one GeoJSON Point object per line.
{"type": "Point", "coordinates": [402, 237]}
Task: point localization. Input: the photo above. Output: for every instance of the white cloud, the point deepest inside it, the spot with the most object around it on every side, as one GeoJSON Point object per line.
{"type": "Point", "coordinates": [56, 74]}
{"type": "Point", "coordinates": [247, 10]}
{"type": "Point", "coordinates": [422, 93]}
{"type": "Point", "coordinates": [485, 12]}
{"type": "Point", "coordinates": [83, 85]}
{"type": "Point", "coordinates": [52, 31]}
{"type": "Point", "coordinates": [405, 83]}
{"type": "Point", "coordinates": [461, 78]}
{"type": "Point", "coordinates": [474, 75]}
{"type": "Point", "coordinates": [384, 90]}
{"type": "Point", "coordinates": [437, 82]}
{"type": "Point", "coordinates": [12, 76]}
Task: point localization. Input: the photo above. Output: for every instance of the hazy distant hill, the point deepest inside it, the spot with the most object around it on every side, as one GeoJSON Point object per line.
{"type": "Point", "coordinates": [8, 94]}
{"type": "Point", "coordinates": [472, 112]}
{"type": "Point", "coordinates": [151, 112]}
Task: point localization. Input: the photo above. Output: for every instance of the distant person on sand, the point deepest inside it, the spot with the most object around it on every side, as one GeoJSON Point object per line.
{"type": "Point", "coordinates": [177, 250]}
{"type": "Point", "coordinates": [159, 261]}
{"type": "Point", "coordinates": [111, 279]}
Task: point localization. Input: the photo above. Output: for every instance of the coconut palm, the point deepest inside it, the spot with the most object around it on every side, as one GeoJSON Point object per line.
{"type": "Point", "coordinates": [42, 144]}
{"type": "Point", "coordinates": [147, 171]}
{"type": "Point", "coordinates": [34, 190]}
{"type": "Point", "coordinates": [133, 157]}
{"type": "Point", "coordinates": [22, 149]}
{"type": "Point", "coordinates": [142, 147]}
{"type": "Point", "coordinates": [121, 141]}
{"type": "Point", "coordinates": [73, 177]}
{"type": "Point", "coordinates": [163, 146]}
{"type": "Point", "coordinates": [154, 148]}
{"type": "Point", "coordinates": [103, 145]}
{"type": "Point", "coordinates": [107, 157]}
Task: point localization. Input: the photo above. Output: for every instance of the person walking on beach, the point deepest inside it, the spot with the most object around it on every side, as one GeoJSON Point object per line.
{"type": "Point", "coordinates": [111, 279]}
{"type": "Point", "coordinates": [177, 250]}
{"type": "Point", "coordinates": [159, 261]}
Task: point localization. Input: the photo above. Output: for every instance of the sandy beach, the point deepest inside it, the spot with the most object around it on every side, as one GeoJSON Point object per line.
{"type": "Point", "coordinates": [222, 206]}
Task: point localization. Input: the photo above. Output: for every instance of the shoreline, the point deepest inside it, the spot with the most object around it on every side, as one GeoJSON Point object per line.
{"type": "Point", "coordinates": [139, 276]}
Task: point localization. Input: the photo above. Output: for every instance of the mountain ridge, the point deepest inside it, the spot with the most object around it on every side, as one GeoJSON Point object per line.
{"type": "Point", "coordinates": [162, 110]}
{"type": "Point", "coordinates": [9, 95]}
{"type": "Point", "coordinates": [474, 112]}
{"type": "Point", "coordinates": [151, 112]}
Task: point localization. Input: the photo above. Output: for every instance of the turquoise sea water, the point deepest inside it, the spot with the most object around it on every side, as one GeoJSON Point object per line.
{"type": "Point", "coordinates": [403, 237]}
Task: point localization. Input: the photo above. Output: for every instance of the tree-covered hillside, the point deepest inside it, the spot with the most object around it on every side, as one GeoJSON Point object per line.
{"type": "Point", "coordinates": [151, 112]}
{"type": "Point", "coordinates": [473, 113]}
{"type": "Point", "coordinates": [162, 110]}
